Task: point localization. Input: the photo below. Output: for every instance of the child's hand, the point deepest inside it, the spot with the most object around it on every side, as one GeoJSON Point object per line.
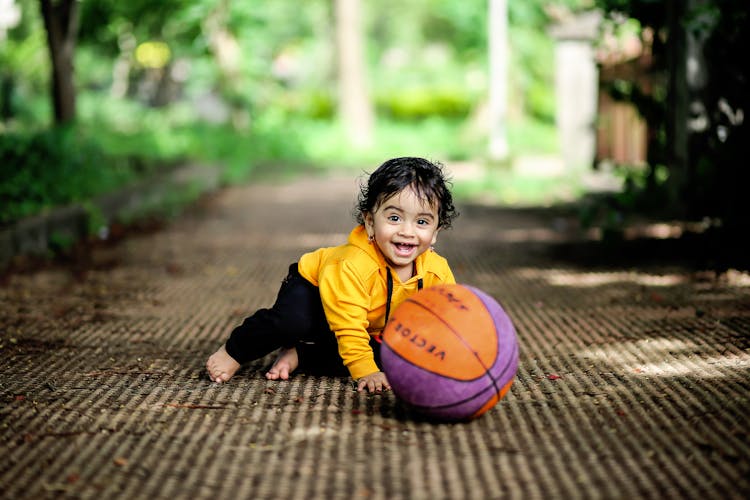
{"type": "Point", "coordinates": [375, 382]}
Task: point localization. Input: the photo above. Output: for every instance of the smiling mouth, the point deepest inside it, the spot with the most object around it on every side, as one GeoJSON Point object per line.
{"type": "Point", "coordinates": [404, 249]}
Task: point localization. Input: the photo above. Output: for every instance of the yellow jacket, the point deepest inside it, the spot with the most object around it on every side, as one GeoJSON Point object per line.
{"type": "Point", "coordinates": [353, 288]}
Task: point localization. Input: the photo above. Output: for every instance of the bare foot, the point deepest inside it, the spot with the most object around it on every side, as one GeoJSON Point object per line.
{"type": "Point", "coordinates": [221, 366]}
{"type": "Point", "coordinates": [284, 365]}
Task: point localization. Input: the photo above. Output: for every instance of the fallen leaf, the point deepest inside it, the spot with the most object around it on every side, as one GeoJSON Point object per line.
{"type": "Point", "coordinates": [552, 376]}
{"type": "Point", "coordinates": [173, 268]}
{"type": "Point", "coordinates": [120, 461]}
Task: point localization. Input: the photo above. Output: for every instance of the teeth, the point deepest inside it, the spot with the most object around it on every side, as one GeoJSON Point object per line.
{"type": "Point", "coordinates": [404, 248]}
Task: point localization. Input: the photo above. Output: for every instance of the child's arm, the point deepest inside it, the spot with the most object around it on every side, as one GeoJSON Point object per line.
{"type": "Point", "coordinates": [346, 302]}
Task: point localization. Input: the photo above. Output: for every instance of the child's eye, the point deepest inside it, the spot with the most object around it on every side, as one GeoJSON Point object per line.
{"type": "Point", "coordinates": [423, 222]}
{"type": "Point", "coordinates": [394, 218]}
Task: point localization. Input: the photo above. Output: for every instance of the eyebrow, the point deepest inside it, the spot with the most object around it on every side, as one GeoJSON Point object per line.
{"type": "Point", "coordinates": [421, 214]}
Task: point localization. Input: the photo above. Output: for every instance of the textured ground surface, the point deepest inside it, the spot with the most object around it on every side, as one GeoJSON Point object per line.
{"type": "Point", "coordinates": [633, 381]}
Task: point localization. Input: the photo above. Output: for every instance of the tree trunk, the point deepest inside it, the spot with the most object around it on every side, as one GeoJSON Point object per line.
{"type": "Point", "coordinates": [677, 104]}
{"type": "Point", "coordinates": [7, 83]}
{"type": "Point", "coordinates": [355, 107]}
{"type": "Point", "coordinates": [498, 85]}
{"type": "Point", "coordinates": [61, 22]}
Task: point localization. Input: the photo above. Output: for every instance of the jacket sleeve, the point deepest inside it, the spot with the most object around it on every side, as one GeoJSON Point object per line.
{"type": "Point", "coordinates": [346, 302]}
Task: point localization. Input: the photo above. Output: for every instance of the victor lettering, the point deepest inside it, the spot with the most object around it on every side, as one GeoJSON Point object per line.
{"type": "Point", "coordinates": [418, 340]}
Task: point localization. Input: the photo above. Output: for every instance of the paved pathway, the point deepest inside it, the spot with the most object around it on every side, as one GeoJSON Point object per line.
{"type": "Point", "coordinates": [633, 382]}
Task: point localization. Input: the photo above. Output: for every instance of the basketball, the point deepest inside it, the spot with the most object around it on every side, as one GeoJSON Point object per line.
{"type": "Point", "coordinates": [450, 352]}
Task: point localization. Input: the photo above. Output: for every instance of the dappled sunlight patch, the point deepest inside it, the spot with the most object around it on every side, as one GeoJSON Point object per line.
{"type": "Point", "coordinates": [538, 234]}
{"type": "Point", "coordinates": [665, 230]}
{"type": "Point", "coordinates": [711, 367]}
{"type": "Point", "coordinates": [636, 353]}
{"type": "Point", "coordinates": [667, 357]}
{"type": "Point", "coordinates": [314, 432]}
{"type": "Point", "coordinates": [737, 278]}
{"type": "Point", "coordinates": [564, 277]}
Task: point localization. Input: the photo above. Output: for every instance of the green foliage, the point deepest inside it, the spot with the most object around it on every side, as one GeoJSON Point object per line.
{"type": "Point", "coordinates": [420, 103]}
{"type": "Point", "coordinates": [540, 103]}
{"type": "Point", "coordinates": [24, 64]}
{"type": "Point", "coordinates": [53, 167]}
{"type": "Point", "coordinates": [531, 73]}
{"type": "Point", "coordinates": [532, 137]}
{"type": "Point", "coordinates": [103, 22]}
{"type": "Point", "coordinates": [60, 242]}
{"type": "Point", "coordinates": [93, 68]}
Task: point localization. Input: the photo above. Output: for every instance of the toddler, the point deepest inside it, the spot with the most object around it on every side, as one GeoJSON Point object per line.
{"type": "Point", "coordinates": [332, 307]}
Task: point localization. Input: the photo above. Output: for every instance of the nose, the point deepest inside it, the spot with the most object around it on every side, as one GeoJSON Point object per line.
{"type": "Point", "coordinates": [406, 229]}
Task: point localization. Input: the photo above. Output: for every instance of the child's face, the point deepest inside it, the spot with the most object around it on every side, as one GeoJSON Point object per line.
{"type": "Point", "coordinates": [404, 227]}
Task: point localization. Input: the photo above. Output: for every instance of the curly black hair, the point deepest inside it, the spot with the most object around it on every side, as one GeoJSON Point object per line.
{"type": "Point", "coordinates": [427, 178]}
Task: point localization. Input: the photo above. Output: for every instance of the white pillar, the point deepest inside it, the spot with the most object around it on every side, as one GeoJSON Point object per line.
{"type": "Point", "coordinates": [576, 89]}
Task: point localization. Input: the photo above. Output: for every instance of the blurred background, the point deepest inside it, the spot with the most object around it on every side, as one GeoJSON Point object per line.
{"type": "Point", "coordinates": [623, 107]}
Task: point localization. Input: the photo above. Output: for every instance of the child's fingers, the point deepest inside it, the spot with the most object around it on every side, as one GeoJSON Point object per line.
{"type": "Point", "coordinates": [368, 384]}
{"type": "Point", "coordinates": [373, 384]}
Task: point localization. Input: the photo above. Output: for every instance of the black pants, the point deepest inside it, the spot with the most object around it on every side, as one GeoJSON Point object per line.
{"type": "Point", "coordinates": [297, 320]}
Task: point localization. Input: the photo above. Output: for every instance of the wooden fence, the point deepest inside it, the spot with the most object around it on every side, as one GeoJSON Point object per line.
{"type": "Point", "coordinates": [621, 133]}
